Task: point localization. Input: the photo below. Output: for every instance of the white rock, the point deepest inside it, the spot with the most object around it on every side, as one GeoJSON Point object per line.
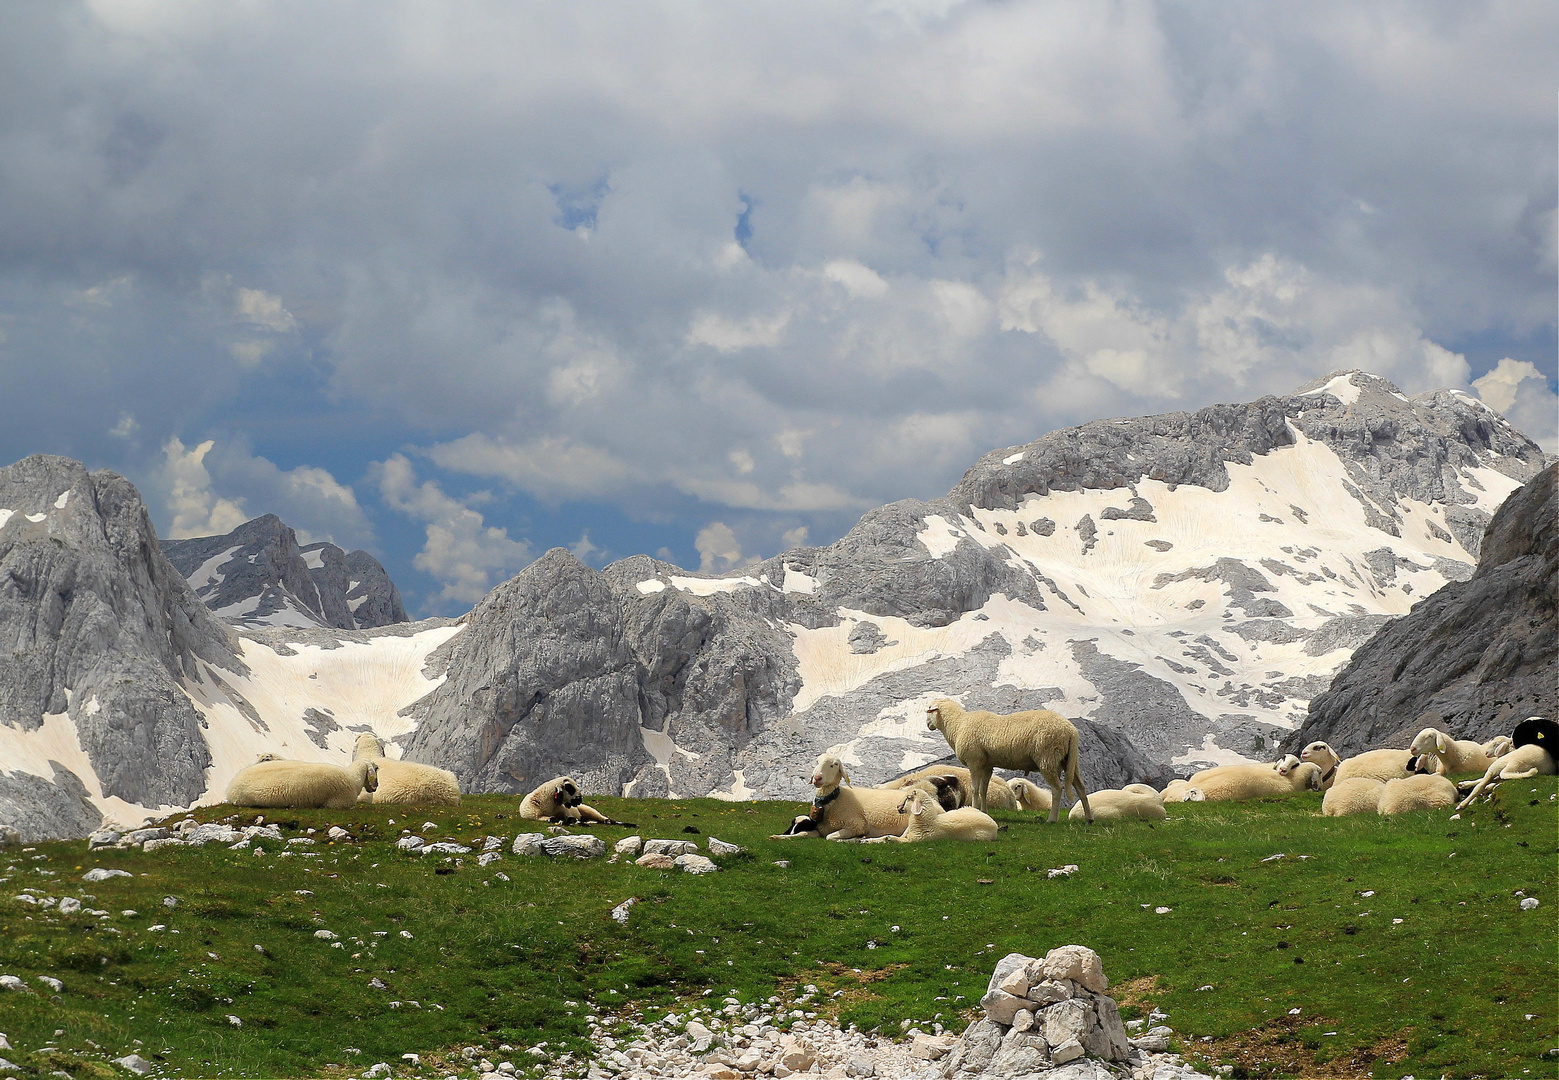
{"type": "Point", "coordinates": [325, 935]}
{"type": "Point", "coordinates": [443, 847]}
{"type": "Point", "coordinates": [1078, 963]}
{"type": "Point", "coordinates": [1528, 903]}
{"type": "Point", "coordinates": [11, 982]}
{"type": "Point", "coordinates": [336, 832]}
{"type": "Point", "coordinates": [135, 1063]}
{"type": "Point", "coordinates": [69, 905]}
{"type": "Point", "coordinates": [409, 843]}
{"type": "Point", "coordinates": [528, 843]}
{"type": "Point", "coordinates": [695, 864]}
{"type": "Point", "coordinates": [578, 847]}
{"type": "Point", "coordinates": [103, 873]}
{"type": "Point", "coordinates": [488, 857]}
{"type": "Point", "coordinates": [52, 983]}
{"type": "Point", "coordinates": [670, 847]}
{"type": "Point", "coordinates": [629, 846]}
{"type": "Point", "coordinates": [620, 912]}
{"type": "Point", "coordinates": [720, 847]}
{"type": "Point", "coordinates": [1067, 1051]}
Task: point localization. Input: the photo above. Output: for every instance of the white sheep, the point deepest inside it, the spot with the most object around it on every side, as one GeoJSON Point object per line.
{"type": "Point", "coordinates": [926, 820]}
{"type": "Point", "coordinates": [1134, 802]}
{"type": "Point", "coordinates": [301, 784]}
{"type": "Point", "coordinates": [842, 812]}
{"type": "Point", "coordinates": [1037, 740]}
{"type": "Point", "coordinates": [1383, 765]}
{"type": "Point", "coordinates": [1520, 763]}
{"type": "Point", "coordinates": [1235, 783]}
{"type": "Point", "coordinates": [406, 783]}
{"type": "Point", "coordinates": [1179, 790]}
{"type": "Point", "coordinates": [1030, 796]}
{"type": "Point", "coordinates": [1451, 755]}
{"type": "Point", "coordinates": [1355, 795]}
{"type": "Point", "coordinates": [1285, 764]}
{"type": "Point", "coordinates": [1498, 746]}
{"type": "Point", "coordinates": [1426, 791]}
{"type": "Point", "coordinates": [998, 796]}
{"type": "Point", "coordinates": [559, 800]}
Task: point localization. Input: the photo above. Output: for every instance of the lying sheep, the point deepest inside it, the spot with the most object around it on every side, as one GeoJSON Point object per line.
{"type": "Point", "coordinates": [1030, 796]}
{"type": "Point", "coordinates": [1037, 740]}
{"type": "Point", "coordinates": [1181, 791]}
{"type": "Point", "coordinates": [406, 783]}
{"type": "Point", "coordinates": [1383, 765]}
{"type": "Point", "coordinates": [842, 812]}
{"type": "Point", "coordinates": [926, 820]}
{"type": "Point", "coordinates": [1450, 755]}
{"type": "Point", "coordinates": [559, 800]}
{"type": "Point", "coordinates": [1285, 764]}
{"type": "Point", "coordinates": [1355, 795]}
{"type": "Point", "coordinates": [1426, 791]}
{"type": "Point", "coordinates": [998, 796]}
{"type": "Point", "coordinates": [1134, 802]}
{"type": "Point", "coordinates": [301, 784]}
{"type": "Point", "coordinates": [1236, 783]}
{"type": "Point", "coordinates": [1536, 739]}
{"type": "Point", "coordinates": [1498, 746]}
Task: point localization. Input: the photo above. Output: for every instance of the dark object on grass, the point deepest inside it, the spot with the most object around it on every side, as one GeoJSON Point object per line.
{"type": "Point", "coordinates": [1537, 731]}
{"type": "Point", "coordinates": [690, 829]}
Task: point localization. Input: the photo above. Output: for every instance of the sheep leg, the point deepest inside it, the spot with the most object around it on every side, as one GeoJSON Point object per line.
{"type": "Point", "coordinates": [846, 833]}
{"type": "Point", "coordinates": [980, 781]}
{"type": "Point", "coordinates": [1477, 788]}
{"type": "Point", "coordinates": [1057, 796]}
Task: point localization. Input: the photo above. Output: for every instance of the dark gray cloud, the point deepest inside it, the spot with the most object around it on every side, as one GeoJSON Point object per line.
{"type": "Point", "coordinates": [761, 266]}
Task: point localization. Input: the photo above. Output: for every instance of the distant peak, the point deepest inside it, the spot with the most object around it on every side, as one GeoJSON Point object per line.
{"type": "Point", "coordinates": [1336, 381]}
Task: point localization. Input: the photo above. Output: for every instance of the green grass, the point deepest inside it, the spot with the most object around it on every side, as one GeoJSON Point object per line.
{"type": "Point", "coordinates": [906, 932]}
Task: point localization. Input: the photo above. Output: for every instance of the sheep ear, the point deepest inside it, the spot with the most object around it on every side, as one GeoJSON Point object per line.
{"type": "Point", "coordinates": [1439, 744]}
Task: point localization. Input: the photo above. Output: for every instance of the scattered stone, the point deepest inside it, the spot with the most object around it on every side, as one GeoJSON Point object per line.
{"type": "Point", "coordinates": [11, 982]}
{"type": "Point", "coordinates": [163, 842]}
{"type": "Point", "coordinates": [670, 847]}
{"type": "Point", "coordinates": [528, 843]}
{"type": "Point", "coordinates": [488, 857]}
{"type": "Point", "coordinates": [1078, 963]}
{"type": "Point", "coordinates": [927, 1047]}
{"type": "Point", "coordinates": [69, 905]}
{"type": "Point", "coordinates": [214, 834]}
{"type": "Point", "coordinates": [443, 847]}
{"type": "Point", "coordinates": [103, 873]}
{"type": "Point", "coordinates": [578, 847]}
{"type": "Point", "coordinates": [409, 843]}
{"type": "Point", "coordinates": [135, 1063]}
{"type": "Point", "coordinates": [656, 861]}
{"type": "Point", "coordinates": [325, 935]}
{"type": "Point", "coordinates": [1528, 903]}
{"type": "Point", "coordinates": [102, 838]}
{"type": "Point", "coordinates": [629, 846]}
{"type": "Point", "coordinates": [694, 864]}
{"type": "Point", "coordinates": [336, 832]}
{"type": "Point", "coordinates": [720, 847]}
{"type": "Point", "coordinates": [620, 912]}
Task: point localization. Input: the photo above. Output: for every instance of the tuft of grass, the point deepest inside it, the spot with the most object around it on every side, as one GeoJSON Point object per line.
{"type": "Point", "coordinates": [1435, 971]}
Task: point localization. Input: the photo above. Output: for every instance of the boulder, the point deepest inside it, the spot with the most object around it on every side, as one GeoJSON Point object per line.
{"type": "Point", "coordinates": [1078, 963]}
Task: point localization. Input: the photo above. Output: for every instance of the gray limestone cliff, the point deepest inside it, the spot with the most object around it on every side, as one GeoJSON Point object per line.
{"type": "Point", "coordinates": [96, 625]}
{"type": "Point", "coordinates": [1474, 658]}
{"type": "Point", "coordinates": [258, 575]}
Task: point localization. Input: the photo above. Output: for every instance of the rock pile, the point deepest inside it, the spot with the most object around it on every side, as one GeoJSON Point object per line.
{"type": "Point", "coordinates": [1051, 1017]}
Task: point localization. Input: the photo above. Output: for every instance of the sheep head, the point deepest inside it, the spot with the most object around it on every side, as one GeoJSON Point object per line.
{"type": "Point", "coordinates": [567, 793]}
{"type": "Point", "coordinates": [829, 772]}
{"type": "Point", "coordinates": [1306, 774]}
{"type": "Point", "coordinates": [917, 802]}
{"type": "Point", "coordinates": [1429, 741]}
{"type": "Point", "coordinates": [939, 710]}
{"type": "Point", "coordinates": [1321, 754]}
{"type": "Point", "coordinates": [1285, 764]}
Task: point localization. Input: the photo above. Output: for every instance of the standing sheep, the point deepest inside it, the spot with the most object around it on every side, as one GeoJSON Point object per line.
{"type": "Point", "coordinates": [1356, 795]}
{"type": "Point", "coordinates": [406, 783]}
{"type": "Point", "coordinates": [1235, 783]}
{"type": "Point", "coordinates": [1030, 796]}
{"type": "Point", "coordinates": [1426, 791]}
{"type": "Point", "coordinates": [1383, 765]}
{"type": "Point", "coordinates": [926, 820]}
{"type": "Point", "coordinates": [1037, 740]}
{"type": "Point", "coordinates": [301, 784]}
{"type": "Point", "coordinates": [1134, 802]}
{"type": "Point", "coordinates": [1450, 755]}
{"type": "Point", "coordinates": [842, 812]}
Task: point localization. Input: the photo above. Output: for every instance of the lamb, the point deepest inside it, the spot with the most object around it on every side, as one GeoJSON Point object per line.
{"type": "Point", "coordinates": [406, 783]}
{"type": "Point", "coordinates": [559, 800]}
{"type": "Point", "coordinates": [1355, 795]}
{"type": "Point", "coordinates": [1285, 764]}
{"type": "Point", "coordinates": [998, 796]}
{"type": "Point", "coordinates": [1498, 746]}
{"type": "Point", "coordinates": [1235, 783]}
{"type": "Point", "coordinates": [1451, 755]}
{"type": "Point", "coordinates": [301, 784]}
{"type": "Point", "coordinates": [1535, 741]}
{"type": "Point", "coordinates": [1030, 795]}
{"type": "Point", "coordinates": [1426, 791]}
{"type": "Point", "coordinates": [1181, 791]}
{"type": "Point", "coordinates": [926, 820]}
{"type": "Point", "coordinates": [1035, 740]}
{"type": "Point", "coordinates": [1134, 802]}
{"type": "Point", "coordinates": [842, 812]}
{"type": "Point", "coordinates": [1383, 765]}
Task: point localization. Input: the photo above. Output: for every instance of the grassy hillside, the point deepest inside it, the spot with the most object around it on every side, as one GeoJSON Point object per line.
{"type": "Point", "coordinates": [1400, 942]}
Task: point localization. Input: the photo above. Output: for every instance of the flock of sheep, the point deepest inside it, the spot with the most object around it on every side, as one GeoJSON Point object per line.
{"type": "Point", "coordinates": [950, 802]}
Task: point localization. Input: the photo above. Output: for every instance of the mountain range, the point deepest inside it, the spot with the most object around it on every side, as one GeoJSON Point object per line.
{"type": "Point", "coordinates": [1181, 585]}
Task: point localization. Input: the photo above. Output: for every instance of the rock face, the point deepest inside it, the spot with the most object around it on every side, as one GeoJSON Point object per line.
{"type": "Point", "coordinates": [97, 631]}
{"type": "Point", "coordinates": [1180, 585]}
{"type": "Point", "coordinates": [1475, 658]}
{"type": "Point", "coordinates": [258, 575]}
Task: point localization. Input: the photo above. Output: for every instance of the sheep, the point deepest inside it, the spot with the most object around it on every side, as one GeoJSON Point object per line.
{"type": "Point", "coordinates": [1134, 802]}
{"type": "Point", "coordinates": [1285, 764]}
{"type": "Point", "coordinates": [1498, 746]}
{"type": "Point", "coordinates": [1355, 795]}
{"type": "Point", "coordinates": [1030, 796]}
{"type": "Point", "coordinates": [1450, 755]}
{"type": "Point", "coordinates": [301, 784]}
{"type": "Point", "coordinates": [1234, 783]}
{"type": "Point", "coordinates": [559, 800]}
{"type": "Point", "coordinates": [1036, 740]}
{"type": "Point", "coordinates": [926, 820]}
{"type": "Point", "coordinates": [1427, 791]}
{"type": "Point", "coordinates": [998, 796]}
{"type": "Point", "coordinates": [1535, 741]}
{"type": "Point", "coordinates": [405, 783]}
{"type": "Point", "coordinates": [1383, 765]}
{"type": "Point", "coordinates": [842, 812]}
{"type": "Point", "coordinates": [1181, 791]}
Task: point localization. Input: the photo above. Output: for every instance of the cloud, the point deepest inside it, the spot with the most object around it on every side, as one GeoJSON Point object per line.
{"type": "Point", "coordinates": [196, 510]}
{"type": "Point", "coordinates": [461, 552]}
{"type": "Point", "coordinates": [718, 549]}
{"type": "Point", "coordinates": [1523, 395]}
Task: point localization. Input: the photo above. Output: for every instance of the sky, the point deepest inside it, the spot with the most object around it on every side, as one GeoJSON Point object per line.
{"type": "Point", "coordinates": [461, 282]}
